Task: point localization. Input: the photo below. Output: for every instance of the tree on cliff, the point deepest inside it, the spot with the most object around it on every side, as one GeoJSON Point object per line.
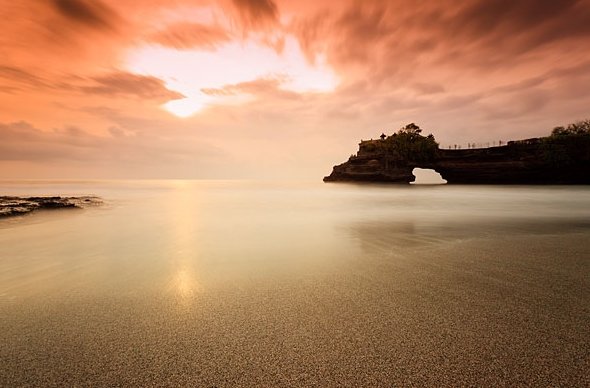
{"type": "Point", "coordinates": [578, 128]}
{"type": "Point", "coordinates": [411, 129]}
{"type": "Point", "coordinates": [408, 144]}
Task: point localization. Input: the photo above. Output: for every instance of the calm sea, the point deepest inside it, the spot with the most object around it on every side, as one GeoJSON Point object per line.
{"type": "Point", "coordinates": [161, 230]}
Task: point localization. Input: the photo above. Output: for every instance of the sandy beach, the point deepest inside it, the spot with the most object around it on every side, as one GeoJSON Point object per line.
{"type": "Point", "coordinates": [362, 301]}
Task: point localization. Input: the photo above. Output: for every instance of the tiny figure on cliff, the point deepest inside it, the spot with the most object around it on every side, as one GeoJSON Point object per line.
{"type": "Point", "coordinates": [383, 136]}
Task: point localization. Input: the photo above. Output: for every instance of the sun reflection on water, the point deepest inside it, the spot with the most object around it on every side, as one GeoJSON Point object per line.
{"type": "Point", "coordinates": [184, 208]}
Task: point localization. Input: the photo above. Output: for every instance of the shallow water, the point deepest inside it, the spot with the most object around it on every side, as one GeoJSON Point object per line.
{"type": "Point", "coordinates": [240, 282]}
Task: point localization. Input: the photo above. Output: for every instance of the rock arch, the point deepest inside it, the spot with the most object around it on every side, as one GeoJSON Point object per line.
{"type": "Point", "coordinates": [427, 176]}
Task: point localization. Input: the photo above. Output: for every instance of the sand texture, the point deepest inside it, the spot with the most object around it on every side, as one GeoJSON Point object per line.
{"type": "Point", "coordinates": [482, 313]}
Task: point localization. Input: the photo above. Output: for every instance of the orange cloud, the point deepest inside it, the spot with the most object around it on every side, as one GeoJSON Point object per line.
{"type": "Point", "coordinates": [187, 35]}
{"type": "Point", "coordinates": [271, 86]}
{"type": "Point", "coordinates": [128, 84]}
{"type": "Point", "coordinates": [81, 79]}
{"type": "Point", "coordinates": [93, 14]}
{"type": "Point", "coordinates": [257, 13]}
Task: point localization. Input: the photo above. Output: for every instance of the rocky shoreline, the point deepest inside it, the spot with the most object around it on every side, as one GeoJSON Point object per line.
{"type": "Point", "coordinates": [14, 206]}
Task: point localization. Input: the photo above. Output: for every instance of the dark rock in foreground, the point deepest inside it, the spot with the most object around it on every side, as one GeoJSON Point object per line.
{"type": "Point", "coordinates": [562, 158]}
{"type": "Point", "coordinates": [13, 206]}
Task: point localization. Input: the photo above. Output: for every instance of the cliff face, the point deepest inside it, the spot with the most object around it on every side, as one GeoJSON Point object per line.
{"type": "Point", "coordinates": [533, 161]}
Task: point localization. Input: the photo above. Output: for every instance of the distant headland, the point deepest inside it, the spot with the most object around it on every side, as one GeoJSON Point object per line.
{"type": "Point", "coordinates": [561, 158]}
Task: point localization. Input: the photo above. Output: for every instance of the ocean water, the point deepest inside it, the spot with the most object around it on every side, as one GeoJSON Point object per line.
{"type": "Point", "coordinates": [263, 283]}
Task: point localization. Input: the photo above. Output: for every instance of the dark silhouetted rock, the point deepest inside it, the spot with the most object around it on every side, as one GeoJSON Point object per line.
{"type": "Point", "coordinates": [556, 159]}
{"type": "Point", "coordinates": [12, 206]}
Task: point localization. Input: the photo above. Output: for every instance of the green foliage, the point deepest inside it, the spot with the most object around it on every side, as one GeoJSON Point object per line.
{"type": "Point", "coordinates": [410, 145]}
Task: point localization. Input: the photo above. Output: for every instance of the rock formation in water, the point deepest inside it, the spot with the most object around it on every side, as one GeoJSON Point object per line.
{"type": "Point", "coordinates": [12, 206]}
{"type": "Point", "coordinates": [562, 158]}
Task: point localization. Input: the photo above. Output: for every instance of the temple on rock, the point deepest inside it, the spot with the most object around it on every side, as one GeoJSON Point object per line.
{"type": "Point", "coordinates": [561, 158]}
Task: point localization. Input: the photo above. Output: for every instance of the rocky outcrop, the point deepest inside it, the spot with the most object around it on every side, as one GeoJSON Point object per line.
{"type": "Point", "coordinates": [547, 160]}
{"type": "Point", "coordinates": [12, 206]}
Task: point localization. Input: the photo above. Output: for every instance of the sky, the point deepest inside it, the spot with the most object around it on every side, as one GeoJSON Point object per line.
{"type": "Point", "coordinates": [274, 89]}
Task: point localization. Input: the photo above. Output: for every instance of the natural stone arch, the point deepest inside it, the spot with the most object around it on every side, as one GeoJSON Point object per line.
{"type": "Point", "coordinates": [427, 176]}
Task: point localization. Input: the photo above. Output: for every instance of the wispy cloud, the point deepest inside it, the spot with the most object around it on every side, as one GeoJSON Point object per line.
{"type": "Point", "coordinates": [257, 13]}
{"type": "Point", "coordinates": [128, 84]}
{"type": "Point", "coordinates": [187, 35]}
{"type": "Point", "coordinates": [88, 13]}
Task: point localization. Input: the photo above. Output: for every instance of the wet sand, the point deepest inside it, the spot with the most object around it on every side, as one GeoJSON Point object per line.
{"type": "Point", "coordinates": [488, 312]}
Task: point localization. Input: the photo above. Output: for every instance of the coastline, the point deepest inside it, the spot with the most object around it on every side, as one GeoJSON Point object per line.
{"type": "Point", "coordinates": [228, 284]}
